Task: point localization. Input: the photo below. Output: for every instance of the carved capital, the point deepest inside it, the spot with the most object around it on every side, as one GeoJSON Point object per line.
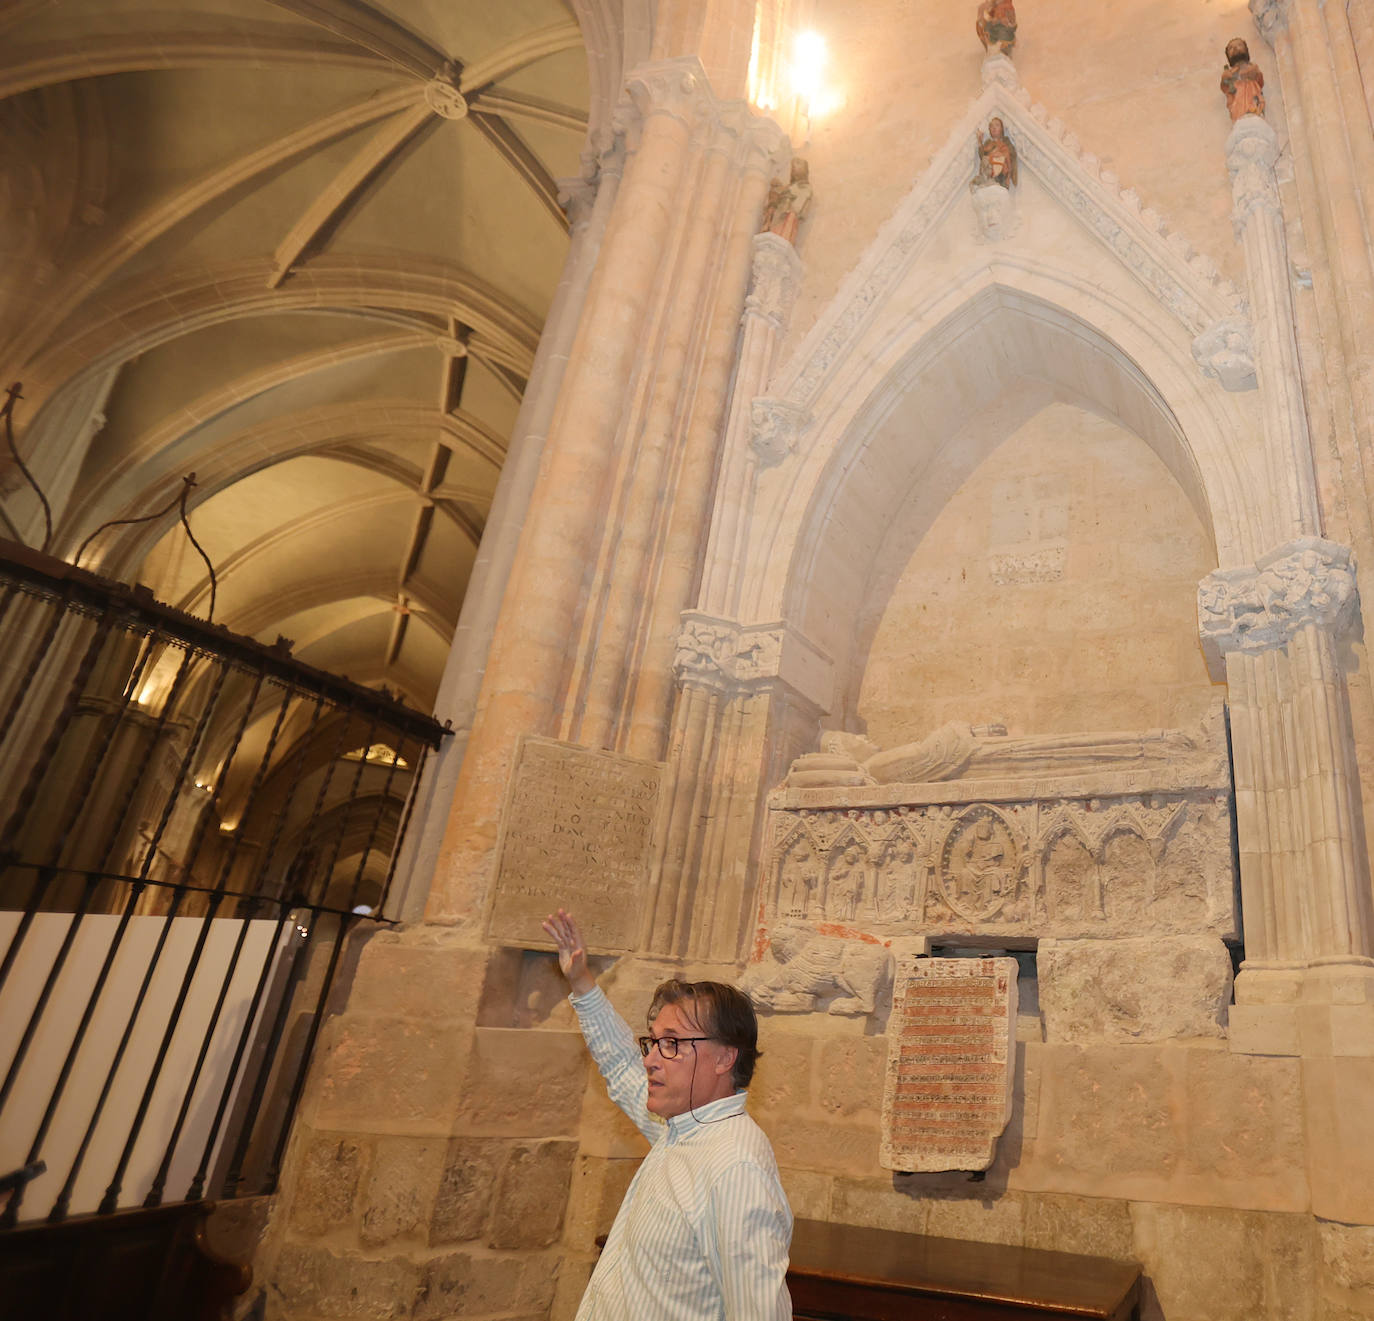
{"type": "Point", "coordinates": [577, 196]}
{"type": "Point", "coordinates": [732, 658]}
{"type": "Point", "coordinates": [757, 141]}
{"type": "Point", "coordinates": [1251, 151]}
{"type": "Point", "coordinates": [775, 280]}
{"type": "Point", "coordinates": [1271, 17]}
{"type": "Point", "coordinates": [1225, 352]}
{"type": "Point", "coordinates": [1307, 581]}
{"type": "Point", "coordinates": [676, 87]}
{"type": "Point", "coordinates": [774, 427]}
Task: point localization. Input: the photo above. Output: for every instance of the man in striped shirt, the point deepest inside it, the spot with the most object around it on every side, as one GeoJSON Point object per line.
{"type": "Point", "coordinates": [703, 1232]}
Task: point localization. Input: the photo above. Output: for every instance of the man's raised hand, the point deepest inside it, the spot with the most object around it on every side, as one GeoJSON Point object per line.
{"type": "Point", "coordinates": [572, 950]}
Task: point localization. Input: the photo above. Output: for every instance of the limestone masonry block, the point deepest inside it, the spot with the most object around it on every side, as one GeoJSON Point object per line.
{"type": "Point", "coordinates": [1219, 1265]}
{"type": "Point", "coordinates": [324, 1284]}
{"type": "Point", "coordinates": [1145, 989]}
{"type": "Point", "coordinates": [401, 1188]}
{"type": "Point", "coordinates": [851, 1075]}
{"type": "Point", "coordinates": [1244, 1126]}
{"type": "Point", "coordinates": [467, 1188]}
{"type": "Point", "coordinates": [975, 1215]}
{"type": "Point", "coordinates": [328, 1172]}
{"type": "Point", "coordinates": [1107, 1120]}
{"type": "Point", "coordinates": [1347, 1253]}
{"type": "Point", "coordinates": [876, 1204]}
{"type": "Point", "coordinates": [532, 1195]}
{"type": "Point", "coordinates": [461, 1284]}
{"type": "Point", "coordinates": [392, 1076]}
{"type": "Point", "coordinates": [782, 1080]}
{"type": "Point", "coordinates": [828, 1148]}
{"type": "Point", "coordinates": [397, 977]}
{"type": "Point", "coordinates": [1096, 1226]}
{"type": "Point", "coordinates": [523, 1083]}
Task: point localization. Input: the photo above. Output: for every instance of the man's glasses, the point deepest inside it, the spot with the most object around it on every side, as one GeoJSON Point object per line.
{"type": "Point", "coordinates": [667, 1046]}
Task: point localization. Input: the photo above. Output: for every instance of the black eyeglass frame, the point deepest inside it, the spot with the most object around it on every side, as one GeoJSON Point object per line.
{"type": "Point", "coordinates": [646, 1044]}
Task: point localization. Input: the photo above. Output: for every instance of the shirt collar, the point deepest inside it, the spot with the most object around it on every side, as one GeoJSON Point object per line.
{"type": "Point", "coordinates": [679, 1126]}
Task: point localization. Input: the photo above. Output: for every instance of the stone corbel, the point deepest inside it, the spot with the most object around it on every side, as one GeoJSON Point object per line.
{"type": "Point", "coordinates": [734, 658]}
{"type": "Point", "coordinates": [1307, 581]}
{"type": "Point", "coordinates": [1251, 151]}
{"type": "Point", "coordinates": [1225, 352]}
{"type": "Point", "coordinates": [776, 279]}
{"type": "Point", "coordinates": [774, 428]}
{"type": "Point", "coordinates": [1271, 17]}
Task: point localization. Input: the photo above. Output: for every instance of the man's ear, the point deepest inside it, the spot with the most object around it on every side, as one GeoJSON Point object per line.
{"type": "Point", "coordinates": [725, 1059]}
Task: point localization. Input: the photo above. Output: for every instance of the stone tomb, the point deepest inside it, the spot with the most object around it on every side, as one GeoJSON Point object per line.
{"type": "Point", "coordinates": [577, 831]}
{"type": "Point", "coordinates": [948, 1091]}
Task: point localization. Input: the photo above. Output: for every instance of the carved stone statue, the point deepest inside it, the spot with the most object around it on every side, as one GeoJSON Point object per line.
{"type": "Point", "coordinates": [996, 26]}
{"type": "Point", "coordinates": [958, 751]}
{"type": "Point", "coordinates": [787, 203]}
{"type": "Point", "coordinates": [806, 965]}
{"type": "Point", "coordinates": [996, 157]}
{"type": "Point", "coordinates": [1242, 81]}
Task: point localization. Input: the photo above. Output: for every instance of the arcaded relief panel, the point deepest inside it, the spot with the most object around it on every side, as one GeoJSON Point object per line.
{"type": "Point", "coordinates": [1095, 834]}
{"type": "Point", "coordinates": [577, 832]}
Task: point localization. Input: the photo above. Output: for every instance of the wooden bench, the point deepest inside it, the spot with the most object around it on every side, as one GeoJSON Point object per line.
{"type": "Point", "coordinates": [841, 1273]}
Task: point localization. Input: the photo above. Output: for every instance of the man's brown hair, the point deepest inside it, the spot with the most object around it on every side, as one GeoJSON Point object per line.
{"type": "Point", "coordinates": [720, 1011]}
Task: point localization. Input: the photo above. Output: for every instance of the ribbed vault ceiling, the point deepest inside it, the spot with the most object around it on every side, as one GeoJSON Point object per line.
{"type": "Point", "coordinates": [302, 249]}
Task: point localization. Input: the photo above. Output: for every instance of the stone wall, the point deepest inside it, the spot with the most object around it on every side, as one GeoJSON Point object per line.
{"type": "Point", "coordinates": [1055, 590]}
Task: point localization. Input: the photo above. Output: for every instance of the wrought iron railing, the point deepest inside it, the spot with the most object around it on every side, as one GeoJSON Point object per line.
{"type": "Point", "coordinates": [193, 823]}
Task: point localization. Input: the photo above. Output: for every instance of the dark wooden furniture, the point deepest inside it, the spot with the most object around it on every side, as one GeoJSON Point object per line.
{"type": "Point", "coordinates": [840, 1273]}
{"type": "Point", "coordinates": [152, 1265]}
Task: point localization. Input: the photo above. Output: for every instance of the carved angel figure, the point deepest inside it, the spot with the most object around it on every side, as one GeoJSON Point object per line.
{"type": "Point", "coordinates": [996, 157]}
{"type": "Point", "coordinates": [1242, 81]}
{"type": "Point", "coordinates": [996, 26]}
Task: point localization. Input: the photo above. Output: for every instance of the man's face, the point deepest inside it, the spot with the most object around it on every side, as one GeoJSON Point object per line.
{"type": "Point", "coordinates": [700, 1073]}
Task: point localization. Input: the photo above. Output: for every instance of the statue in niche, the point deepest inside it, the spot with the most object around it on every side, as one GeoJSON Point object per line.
{"type": "Point", "coordinates": [806, 965]}
{"type": "Point", "coordinates": [979, 865]}
{"type": "Point", "coordinates": [1242, 81]}
{"type": "Point", "coordinates": [899, 884]}
{"type": "Point", "coordinates": [996, 26]}
{"type": "Point", "coordinates": [798, 879]}
{"type": "Point", "coordinates": [958, 751]}
{"type": "Point", "coordinates": [996, 157]}
{"type": "Point", "coordinates": [788, 202]}
{"type": "Point", "coordinates": [845, 890]}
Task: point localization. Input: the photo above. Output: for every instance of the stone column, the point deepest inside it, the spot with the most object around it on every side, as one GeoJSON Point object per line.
{"type": "Point", "coordinates": [589, 205]}
{"type": "Point", "coordinates": [1277, 629]}
{"type": "Point", "coordinates": [1251, 151]}
{"type": "Point", "coordinates": [1331, 147]}
{"type": "Point", "coordinates": [737, 684]}
{"type": "Point", "coordinates": [624, 456]}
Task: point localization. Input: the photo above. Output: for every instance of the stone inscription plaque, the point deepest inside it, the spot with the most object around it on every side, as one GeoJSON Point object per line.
{"type": "Point", "coordinates": [950, 1055]}
{"type": "Point", "coordinates": [577, 832]}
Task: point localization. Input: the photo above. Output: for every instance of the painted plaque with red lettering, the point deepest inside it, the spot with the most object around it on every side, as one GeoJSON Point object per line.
{"type": "Point", "coordinates": [950, 1059]}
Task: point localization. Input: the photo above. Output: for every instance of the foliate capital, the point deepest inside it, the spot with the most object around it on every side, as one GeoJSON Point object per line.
{"type": "Point", "coordinates": [738, 659]}
{"type": "Point", "coordinates": [1307, 581]}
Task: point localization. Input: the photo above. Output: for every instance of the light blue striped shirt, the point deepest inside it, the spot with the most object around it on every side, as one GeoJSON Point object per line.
{"type": "Point", "coordinates": [703, 1232]}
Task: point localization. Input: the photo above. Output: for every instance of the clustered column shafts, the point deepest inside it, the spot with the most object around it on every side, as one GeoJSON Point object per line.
{"type": "Point", "coordinates": [625, 475]}
{"type": "Point", "coordinates": [720, 729]}
{"type": "Point", "coordinates": [1319, 49]}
